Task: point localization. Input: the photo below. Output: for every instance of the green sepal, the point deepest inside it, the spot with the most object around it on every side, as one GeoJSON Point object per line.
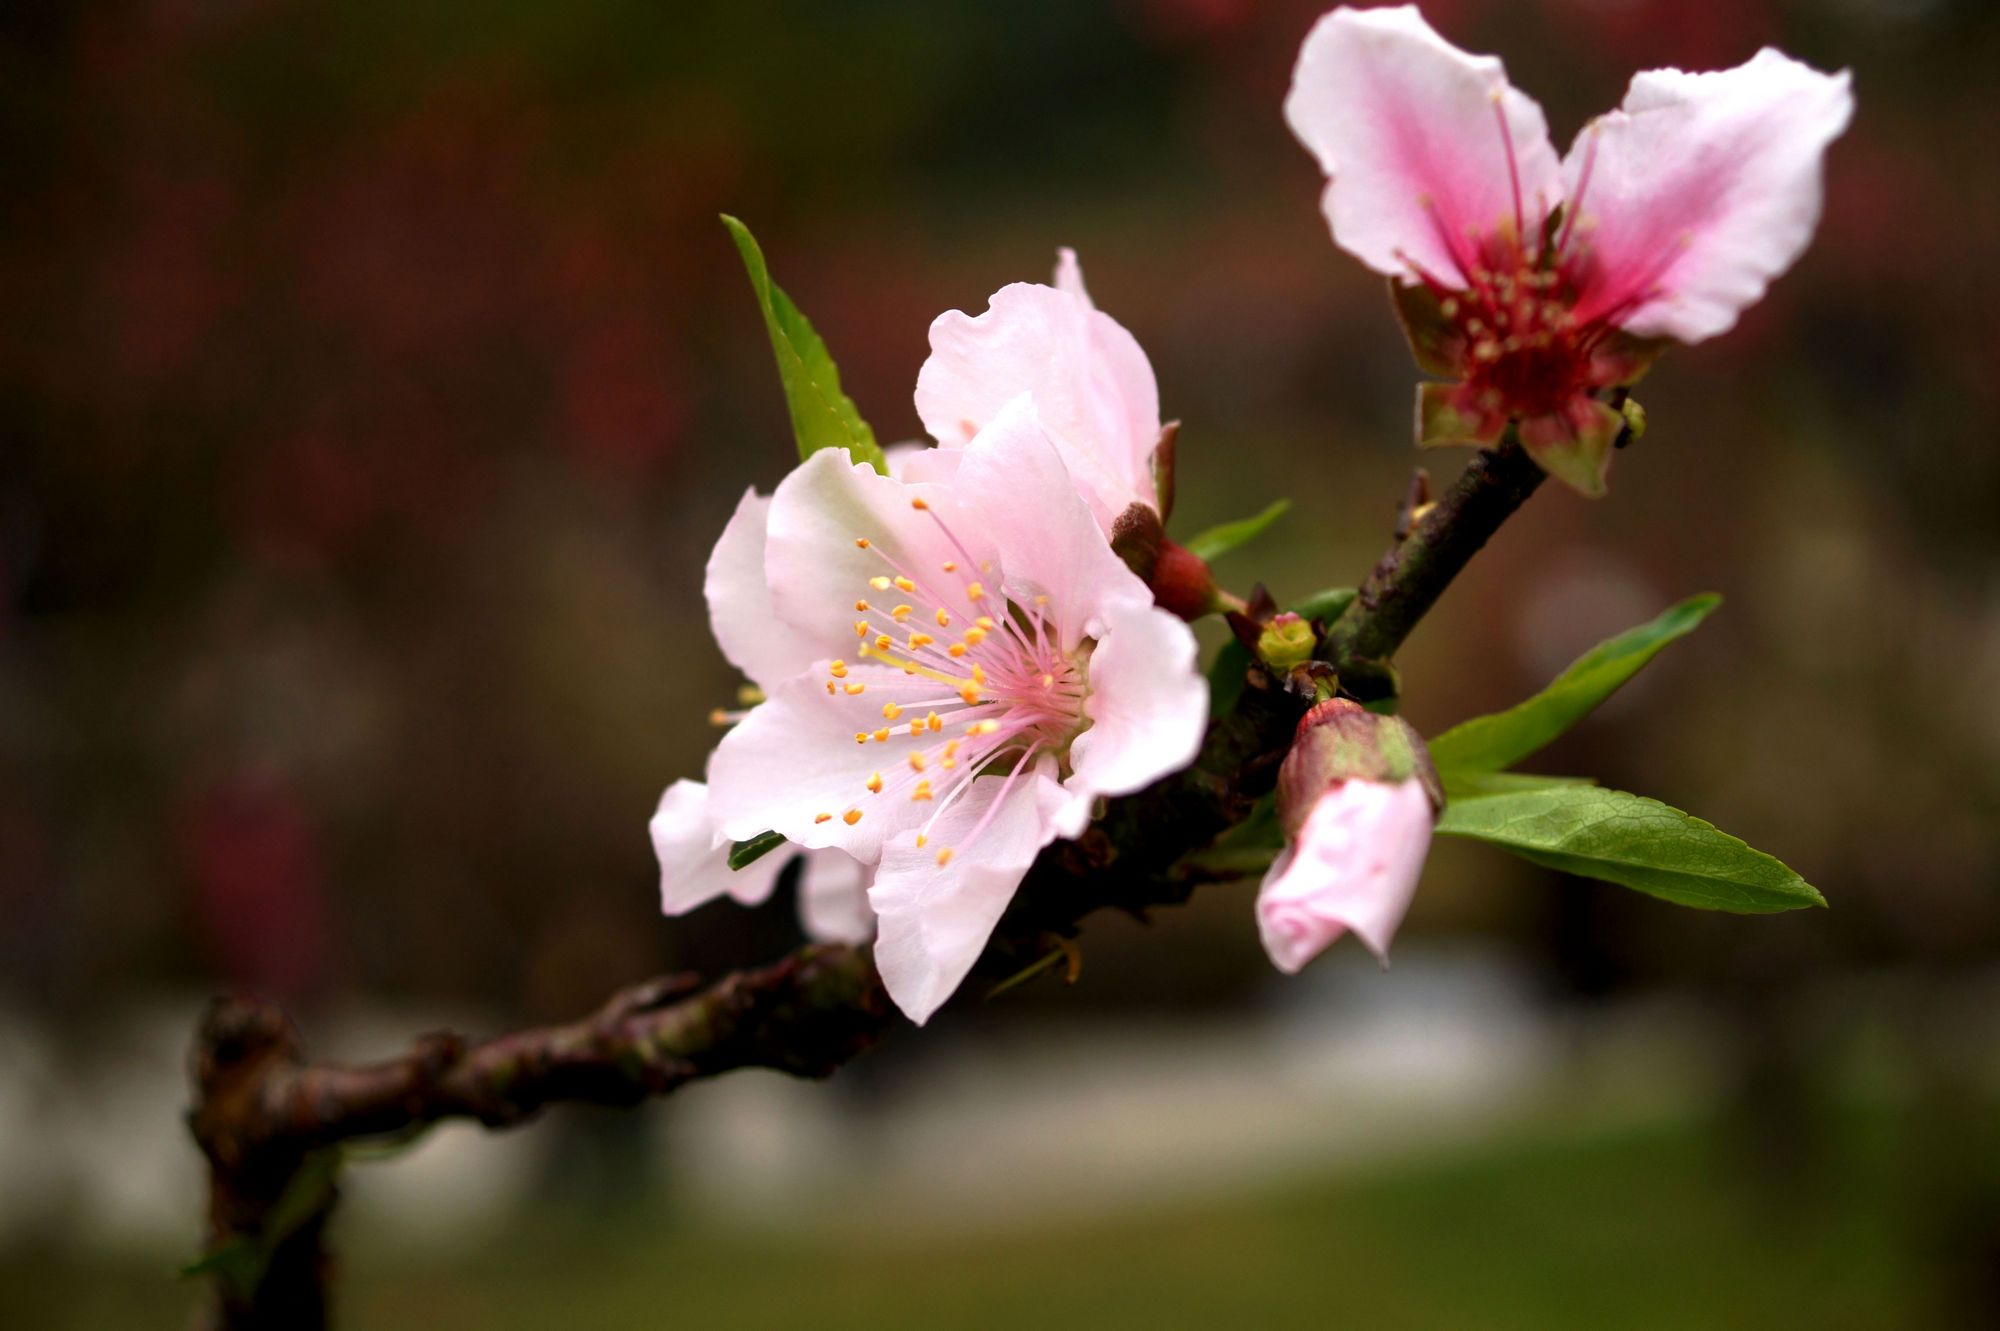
{"type": "Point", "coordinates": [1225, 674]}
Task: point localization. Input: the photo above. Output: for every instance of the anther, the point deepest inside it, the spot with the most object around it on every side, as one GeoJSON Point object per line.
{"type": "Point", "coordinates": [944, 857]}
{"type": "Point", "coordinates": [932, 721]}
{"type": "Point", "coordinates": [883, 642]}
{"type": "Point", "coordinates": [838, 669]}
{"type": "Point", "coordinates": [861, 543]}
{"type": "Point", "coordinates": [974, 591]}
{"type": "Point", "coordinates": [916, 762]}
{"type": "Point", "coordinates": [822, 818]}
{"type": "Point", "coordinates": [943, 620]}
{"type": "Point", "coordinates": [861, 605]}
{"type": "Point", "coordinates": [851, 817]}
{"type": "Point", "coordinates": [922, 792]}
{"type": "Point", "coordinates": [920, 640]}
{"type": "Point", "coordinates": [919, 505]}
{"type": "Point", "coordinates": [904, 584]}
{"type": "Point", "coordinates": [951, 566]}
{"type": "Point", "coordinates": [854, 688]}
{"type": "Point", "coordinates": [900, 613]}
{"type": "Point", "coordinates": [860, 737]}
{"type": "Point", "coordinates": [882, 735]}
{"type": "Point", "coordinates": [890, 711]}
{"type": "Point", "coordinates": [880, 582]}
{"type": "Point", "coordinates": [956, 649]}
{"type": "Point", "coordinates": [875, 784]}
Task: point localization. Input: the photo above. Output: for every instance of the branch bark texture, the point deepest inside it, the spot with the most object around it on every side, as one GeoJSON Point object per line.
{"type": "Point", "coordinates": [265, 1116]}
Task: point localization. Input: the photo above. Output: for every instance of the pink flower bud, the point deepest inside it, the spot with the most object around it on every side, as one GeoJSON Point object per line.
{"type": "Point", "coordinates": [1357, 798]}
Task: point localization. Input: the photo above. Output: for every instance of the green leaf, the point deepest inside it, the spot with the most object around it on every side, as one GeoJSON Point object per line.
{"type": "Point", "coordinates": [1460, 785]}
{"type": "Point", "coordinates": [745, 853]}
{"type": "Point", "coordinates": [1222, 539]}
{"type": "Point", "coordinates": [822, 416]}
{"type": "Point", "coordinates": [1225, 675]}
{"type": "Point", "coordinates": [1633, 841]}
{"type": "Point", "coordinates": [1491, 743]}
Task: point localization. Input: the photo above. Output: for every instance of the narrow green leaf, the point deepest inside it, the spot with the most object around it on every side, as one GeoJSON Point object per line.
{"type": "Point", "coordinates": [1492, 743]}
{"type": "Point", "coordinates": [1225, 675]}
{"type": "Point", "coordinates": [1220, 540]}
{"type": "Point", "coordinates": [822, 415]}
{"type": "Point", "coordinates": [1633, 841]}
{"type": "Point", "coordinates": [745, 853]}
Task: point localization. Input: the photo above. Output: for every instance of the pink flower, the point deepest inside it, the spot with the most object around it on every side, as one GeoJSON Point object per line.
{"type": "Point", "coordinates": [1092, 387]}
{"type": "Point", "coordinates": [1536, 283]}
{"type": "Point", "coordinates": [983, 668]}
{"type": "Point", "coordinates": [1356, 797]}
{"type": "Point", "coordinates": [1354, 865]}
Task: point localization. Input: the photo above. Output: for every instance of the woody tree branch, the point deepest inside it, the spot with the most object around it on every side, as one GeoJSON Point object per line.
{"type": "Point", "coordinates": [266, 1117]}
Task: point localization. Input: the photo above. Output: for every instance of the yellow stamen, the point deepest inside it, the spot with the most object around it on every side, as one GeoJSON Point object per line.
{"type": "Point", "coordinates": [882, 735]}
{"type": "Point", "coordinates": [822, 817]}
{"type": "Point", "coordinates": [916, 762]}
{"type": "Point", "coordinates": [904, 584]}
{"type": "Point", "coordinates": [951, 748]}
{"type": "Point", "coordinates": [918, 504]}
{"type": "Point", "coordinates": [921, 838]}
{"type": "Point", "coordinates": [974, 636]}
{"type": "Point", "coordinates": [829, 688]}
{"type": "Point", "coordinates": [982, 727]}
{"type": "Point", "coordinates": [944, 857]}
{"type": "Point", "coordinates": [883, 642]}
{"type": "Point", "coordinates": [860, 628]}
{"type": "Point", "coordinates": [1048, 681]}
{"type": "Point", "coordinates": [970, 694]}
{"type": "Point", "coordinates": [974, 591]}
{"type": "Point", "coordinates": [920, 640]}
{"type": "Point", "coordinates": [838, 669]}
{"type": "Point", "coordinates": [853, 689]}
{"type": "Point", "coordinates": [900, 613]}
{"type": "Point", "coordinates": [978, 673]}
{"type": "Point", "coordinates": [880, 582]}
{"type": "Point", "coordinates": [718, 717]}
{"type": "Point", "coordinates": [956, 649]}
{"type": "Point", "coordinates": [875, 784]}
{"type": "Point", "coordinates": [860, 737]}
{"type": "Point", "coordinates": [890, 711]}
{"type": "Point", "coordinates": [861, 542]}
{"type": "Point", "coordinates": [951, 566]}
{"type": "Point", "coordinates": [861, 605]}
{"type": "Point", "coordinates": [916, 727]}
{"type": "Point", "coordinates": [922, 792]}
{"type": "Point", "coordinates": [943, 620]}
{"type": "Point", "coordinates": [851, 817]}
{"type": "Point", "coordinates": [934, 723]}
{"type": "Point", "coordinates": [986, 622]}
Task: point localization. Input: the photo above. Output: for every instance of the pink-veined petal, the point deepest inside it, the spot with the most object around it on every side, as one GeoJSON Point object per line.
{"type": "Point", "coordinates": [1408, 128]}
{"type": "Point", "coordinates": [694, 855]}
{"type": "Point", "coordinates": [933, 919]}
{"type": "Point", "coordinates": [1148, 704]}
{"type": "Point", "coordinates": [1354, 867]}
{"type": "Point", "coordinates": [814, 558]}
{"type": "Point", "coordinates": [1013, 487]}
{"type": "Point", "coordinates": [794, 758]}
{"type": "Point", "coordinates": [1702, 188]}
{"type": "Point", "coordinates": [755, 640]}
{"type": "Point", "coordinates": [833, 898]}
{"type": "Point", "coordinates": [1091, 383]}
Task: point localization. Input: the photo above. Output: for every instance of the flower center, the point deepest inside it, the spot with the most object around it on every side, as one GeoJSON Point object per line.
{"type": "Point", "coordinates": [987, 683]}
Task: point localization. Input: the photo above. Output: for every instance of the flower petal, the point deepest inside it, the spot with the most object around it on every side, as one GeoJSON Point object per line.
{"type": "Point", "coordinates": [1148, 704]}
{"type": "Point", "coordinates": [756, 642]}
{"type": "Point", "coordinates": [833, 898]}
{"type": "Point", "coordinates": [1013, 487]}
{"type": "Point", "coordinates": [694, 855]}
{"type": "Point", "coordinates": [1355, 866]}
{"type": "Point", "coordinates": [1701, 189]}
{"type": "Point", "coordinates": [1090, 381]}
{"type": "Point", "coordinates": [933, 920]}
{"type": "Point", "coordinates": [1409, 130]}
{"type": "Point", "coordinates": [792, 766]}
{"type": "Point", "coordinates": [834, 525]}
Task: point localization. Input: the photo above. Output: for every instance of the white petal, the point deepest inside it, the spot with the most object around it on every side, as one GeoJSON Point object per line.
{"type": "Point", "coordinates": [1704, 188]}
{"type": "Point", "coordinates": [739, 601]}
{"type": "Point", "coordinates": [1148, 704]}
{"type": "Point", "coordinates": [694, 855]}
{"type": "Point", "coordinates": [1408, 128]}
{"type": "Point", "coordinates": [833, 898]}
{"type": "Point", "coordinates": [1091, 383]}
{"type": "Point", "coordinates": [1355, 866]}
{"type": "Point", "coordinates": [1012, 487]}
{"type": "Point", "coordinates": [933, 920]}
{"type": "Point", "coordinates": [818, 570]}
{"type": "Point", "coordinates": [794, 758]}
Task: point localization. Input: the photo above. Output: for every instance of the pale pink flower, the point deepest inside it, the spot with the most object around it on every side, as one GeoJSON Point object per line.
{"type": "Point", "coordinates": [1538, 283]}
{"type": "Point", "coordinates": [1354, 866]}
{"type": "Point", "coordinates": [983, 669]}
{"type": "Point", "coordinates": [693, 855]}
{"type": "Point", "coordinates": [1092, 386]}
{"type": "Point", "coordinates": [692, 851]}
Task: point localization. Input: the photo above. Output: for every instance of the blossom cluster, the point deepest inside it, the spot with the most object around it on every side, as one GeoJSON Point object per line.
{"type": "Point", "coordinates": [952, 663]}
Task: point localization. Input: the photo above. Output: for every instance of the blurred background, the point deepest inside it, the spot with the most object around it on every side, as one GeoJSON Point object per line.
{"type": "Point", "coordinates": [373, 381]}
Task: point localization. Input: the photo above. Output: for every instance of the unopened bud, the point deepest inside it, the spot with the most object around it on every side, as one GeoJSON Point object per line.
{"type": "Point", "coordinates": [1182, 583]}
{"type": "Point", "coordinates": [1286, 642]}
{"type": "Point", "coordinates": [1339, 740]}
